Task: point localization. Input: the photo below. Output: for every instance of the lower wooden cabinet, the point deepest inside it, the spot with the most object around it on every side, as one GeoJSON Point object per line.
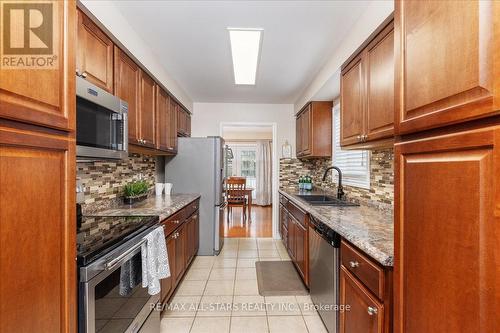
{"type": "Point", "coordinates": [365, 312]}
{"type": "Point", "coordinates": [447, 228]}
{"type": "Point", "coordinates": [182, 238]}
{"type": "Point", "coordinates": [295, 236]}
{"type": "Point", "coordinates": [365, 291]}
{"type": "Point", "coordinates": [37, 230]}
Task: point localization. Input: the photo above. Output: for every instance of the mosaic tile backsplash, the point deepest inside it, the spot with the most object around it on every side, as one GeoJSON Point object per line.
{"type": "Point", "coordinates": [380, 194]}
{"type": "Point", "coordinates": [103, 181]}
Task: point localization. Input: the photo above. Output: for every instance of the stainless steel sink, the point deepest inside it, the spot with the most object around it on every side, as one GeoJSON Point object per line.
{"type": "Point", "coordinates": [324, 200]}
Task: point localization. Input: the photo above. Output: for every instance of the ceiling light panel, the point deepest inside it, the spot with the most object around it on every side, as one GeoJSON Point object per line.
{"type": "Point", "coordinates": [245, 50]}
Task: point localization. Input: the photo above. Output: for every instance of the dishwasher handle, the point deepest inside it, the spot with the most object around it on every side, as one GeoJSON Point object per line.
{"type": "Point", "coordinates": [325, 232]}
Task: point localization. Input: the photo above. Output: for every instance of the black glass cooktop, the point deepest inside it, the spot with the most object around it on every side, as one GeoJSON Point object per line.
{"type": "Point", "coordinates": [98, 235]}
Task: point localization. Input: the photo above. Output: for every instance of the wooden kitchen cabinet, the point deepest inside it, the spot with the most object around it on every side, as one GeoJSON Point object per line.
{"type": "Point", "coordinates": [182, 237]}
{"type": "Point", "coordinates": [447, 58]}
{"type": "Point", "coordinates": [367, 92]}
{"type": "Point", "coordinates": [295, 235]}
{"type": "Point", "coordinates": [366, 313]}
{"type": "Point", "coordinates": [183, 122]}
{"type": "Point", "coordinates": [314, 130]}
{"type": "Point", "coordinates": [45, 97]}
{"type": "Point", "coordinates": [94, 54]}
{"type": "Point", "coordinates": [37, 233]}
{"type": "Point", "coordinates": [447, 222]}
{"type": "Point", "coordinates": [127, 78]}
{"type": "Point", "coordinates": [147, 87]}
{"type": "Point", "coordinates": [167, 285]}
{"type": "Point", "coordinates": [366, 287]}
{"type": "Point", "coordinates": [166, 133]}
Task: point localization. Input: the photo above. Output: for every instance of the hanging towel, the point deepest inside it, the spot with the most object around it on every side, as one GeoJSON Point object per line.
{"type": "Point", "coordinates": [130, 275]}
{"type": "Point", "coordinates": [154, 261]}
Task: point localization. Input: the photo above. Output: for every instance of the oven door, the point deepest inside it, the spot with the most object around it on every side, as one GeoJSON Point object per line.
{"type": "Point", "coordinates": [106, 310]}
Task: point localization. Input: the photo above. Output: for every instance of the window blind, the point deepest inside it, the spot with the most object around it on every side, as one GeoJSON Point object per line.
{"type": "Point", "coordinates": [355, 164]}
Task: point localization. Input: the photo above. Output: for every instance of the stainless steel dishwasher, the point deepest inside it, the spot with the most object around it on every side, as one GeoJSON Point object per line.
{"type": "Point", "coordinates": [324, 265]}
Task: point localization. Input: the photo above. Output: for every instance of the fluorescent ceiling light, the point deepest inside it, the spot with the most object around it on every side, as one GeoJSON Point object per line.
{"type": "Point", "coordinates": [245, 49]}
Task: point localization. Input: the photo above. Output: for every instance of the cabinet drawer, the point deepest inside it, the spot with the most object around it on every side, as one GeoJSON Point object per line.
{"type": "Point", "coordinates": [298, 213]}
{"type": "Point", "coordinates": [191, 208]}
{"type": "Point", "coordinates": [368, 272]}
{"type": "Point", "coordinates": [283, 200]}
{"type": "Point", "coordinates": [174, 221]}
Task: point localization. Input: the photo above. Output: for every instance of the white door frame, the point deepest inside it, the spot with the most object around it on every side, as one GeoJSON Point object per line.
{"type": "Point", "coordinates": [275, 166]}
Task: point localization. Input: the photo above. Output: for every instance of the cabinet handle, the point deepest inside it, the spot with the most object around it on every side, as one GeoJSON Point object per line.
{"type": "Point", "coordinates": [372, 311]}
{"type": "Point", "coordinates": [175, 221]}
{"type": "Point", "coordinates": [84, 75]}
{"type": "Point", "coordinates": [353, 264]}
{"type": "Point", "coordinates": [364, 137]}
{"type": "Point", "coordinates": [359, 137]}
{"type": "Point", "coordinates": [77, 72]}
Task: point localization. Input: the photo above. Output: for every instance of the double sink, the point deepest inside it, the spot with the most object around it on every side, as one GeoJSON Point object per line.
{"type": "Point", "coordinates": [325, 200]}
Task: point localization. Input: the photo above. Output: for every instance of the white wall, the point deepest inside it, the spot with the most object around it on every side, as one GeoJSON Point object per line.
{"type": "Point", "coordinates": [207, 118]}
{"type": "Point", "coordinates": [373, 16]}
{"type": "Point", "coordinates": [112, 20]}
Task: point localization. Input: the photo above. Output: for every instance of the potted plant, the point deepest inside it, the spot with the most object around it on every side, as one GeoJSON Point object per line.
{"type": "Point", "coordinates": [135, 191]}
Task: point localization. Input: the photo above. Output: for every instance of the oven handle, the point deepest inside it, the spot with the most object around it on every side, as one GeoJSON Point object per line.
{"type": "Point", "coordinates": [110, 265]}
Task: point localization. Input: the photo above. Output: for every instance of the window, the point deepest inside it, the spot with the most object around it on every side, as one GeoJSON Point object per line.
{"type": "Point", "coordinates": [244, 163]}
{"type": "Point", "coordinates": [355, 164]}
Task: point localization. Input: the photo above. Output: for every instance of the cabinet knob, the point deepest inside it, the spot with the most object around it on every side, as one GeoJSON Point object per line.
{"type": "Point", "coordinates": [365, 137]}
{"type": "Point", "coordinates": [176, 221]}
{"type": "Point", "coordinates": [77, 72]}
{"type": "Point", "coordinates": [372, 311]}
{"type": "Point", "coordinates": [84, 75]}
{"type": "Point", "coordinates": [359, 137]}
{"type": "Point", "coordinates": [353, 264]}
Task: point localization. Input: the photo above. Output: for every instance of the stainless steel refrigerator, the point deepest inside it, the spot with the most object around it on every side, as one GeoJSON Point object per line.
{"type": "Point", "coordinates": [198, 167]}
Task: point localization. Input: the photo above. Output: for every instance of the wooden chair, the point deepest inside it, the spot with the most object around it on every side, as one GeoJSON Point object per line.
{"type": "Point", "coordinates": [236, 195]}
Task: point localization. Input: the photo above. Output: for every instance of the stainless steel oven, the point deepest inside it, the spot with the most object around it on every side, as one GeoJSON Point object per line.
{"type": "Point", "coordinates": [101, 123]}
{"type": "Point", "coordinates": [102, 307]}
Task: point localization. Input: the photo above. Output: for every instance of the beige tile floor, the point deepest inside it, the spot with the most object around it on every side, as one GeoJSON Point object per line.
{"type": "Point", "coordinates": [220, 295]}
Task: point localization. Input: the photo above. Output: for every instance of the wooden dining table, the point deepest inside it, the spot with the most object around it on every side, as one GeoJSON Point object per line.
{"type": "Point", "coordinates": [248, 194]}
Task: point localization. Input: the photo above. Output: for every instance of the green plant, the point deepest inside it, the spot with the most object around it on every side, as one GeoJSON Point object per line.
{"type": "Point", "coordinates": [136, 188]}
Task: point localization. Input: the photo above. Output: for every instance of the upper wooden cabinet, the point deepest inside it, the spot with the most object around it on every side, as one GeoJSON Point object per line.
{"type": "Point", "coordinates": [147, 113]}
{"type": "Point", "coordinates": [45, 96]}
{"type": "Point", "coordinates": [367, 91]}
{"type": "Point", "coordinates": [183, 122]}
{"type": "Point", "coordinates": [313, 130]}
{"type": "Point", "coordinates": [447, 222]}
{"type": "Point", "coordinates": [94, 55]}
{"type": "Point", "coordinates": [447, 58]}
{"type": "Point", "coordinates": [166, 133]}
{"type": "Point", "coordinates": [127, 78]}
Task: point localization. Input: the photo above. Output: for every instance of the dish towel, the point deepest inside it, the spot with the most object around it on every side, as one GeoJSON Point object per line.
{"type": "Point", "coordinates": [154, 261]}
{"type": "Point", "coordinates": [130, 275]}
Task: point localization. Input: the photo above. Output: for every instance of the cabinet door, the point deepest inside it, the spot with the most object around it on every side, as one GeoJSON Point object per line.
{"type": "Point", "coordinates": [167, 285]}
{"type": "Point", "coordinates": [301, 250]}
{"type": "Point", "coordinates": [291, 236]}
{"type": "Point", "coordinates": [37, 232]}
{"type": "Point", "coordinates": [180, 257]}
{"type": "Point", "coordinates": [298, 135]}
{"type": "Point", "coordinates": [127, 78]}
{"type": "Point", "coordinates": [147, 110]}
{"type": "Point", "coordinates": [351, 103]}
{"type": "Point", "coordinates": [305, 120]}
{"type": "Point", "coordinates": [173, 125]}
{"type": "Point", "coordinates": [94, 57]}
{"type": "Point", "coordinates": [447, 222]}
{"type": "Point", "coordinates": [446, 54]}
{"type": "Point", "coordinates": [380, 86]}
{"type": "Point", "coordinates": [163, 119]}
{"type": "Point", "coordinates": [44, 96]}
{"type": "Point", "coordinates": [366, 314]}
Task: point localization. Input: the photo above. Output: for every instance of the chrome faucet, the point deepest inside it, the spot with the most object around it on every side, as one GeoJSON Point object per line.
{"type": "Point", "coordinates": [340, 189]}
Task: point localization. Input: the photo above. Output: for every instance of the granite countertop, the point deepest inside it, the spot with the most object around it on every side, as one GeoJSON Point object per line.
{"type": "Point", "coordinates": [368, 228]}
{"type": "Point", "coordinates": [163, 206]}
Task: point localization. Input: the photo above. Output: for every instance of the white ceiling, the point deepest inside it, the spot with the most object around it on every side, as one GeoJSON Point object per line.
{"type": "Point", "coordinates": [191, 41]}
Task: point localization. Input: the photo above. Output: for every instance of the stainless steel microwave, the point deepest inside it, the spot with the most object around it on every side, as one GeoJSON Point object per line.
{"type": "Point", "coordinates": [101, 123]}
